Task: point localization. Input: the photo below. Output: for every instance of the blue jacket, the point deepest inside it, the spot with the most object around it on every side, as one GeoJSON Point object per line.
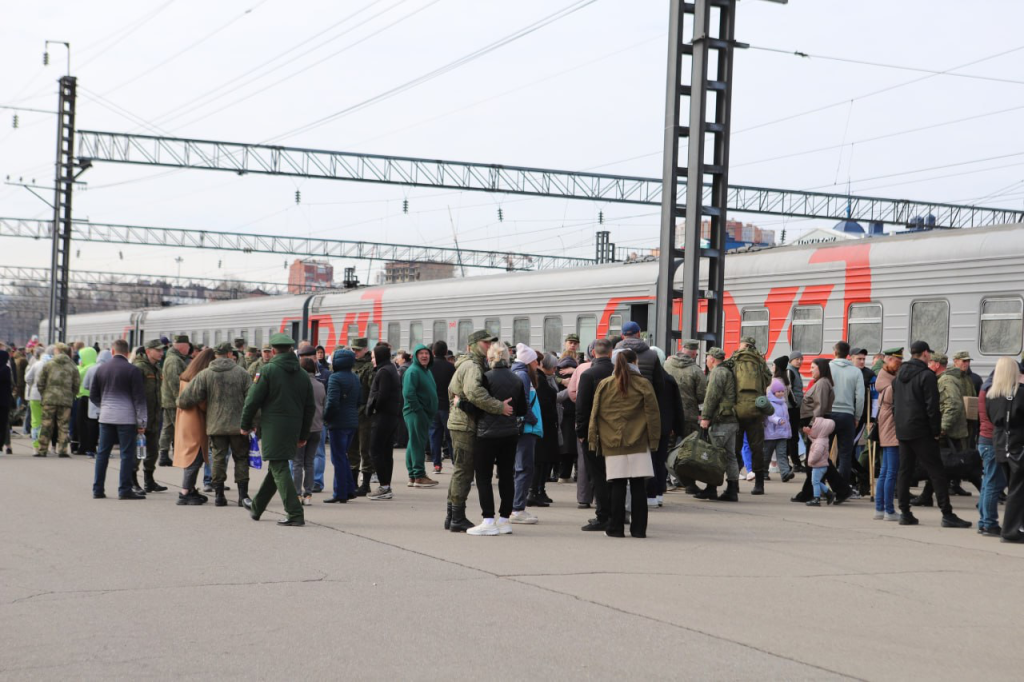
{"type": "Point", "coordinates": [344, 393]}
{"type": "Point", "coordinates": [519, 369]}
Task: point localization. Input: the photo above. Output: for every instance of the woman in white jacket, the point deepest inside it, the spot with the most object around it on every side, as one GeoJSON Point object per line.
{"type": "Point", "coordinates": [35, 399]}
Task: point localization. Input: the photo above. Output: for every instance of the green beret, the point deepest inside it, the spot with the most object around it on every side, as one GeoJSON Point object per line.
{"type": "Point", "coordinates": [749, 340]}
{"type": "Point", "coordinates": [181, 338]}
{"type": "Point", "coordinates": [940, 358]}
{"type": "Point", "coordinates": [691, 344]}
{"type": "Point", "coordinates": [962, 355]}
{"type": "Point", "coordinates": [281, 339]}
{"type": "Point", "coordinates": [482, 335]}
{"type": "Point", "coordinates": [716, 353]}
{"type": "Point", "coordinates": [573, 337]}
{"type": "Point", "coordinates": [223, 348]}
{"type": "Point", "coordinates": [154, 343]}
{"type": "Point", "coordinates": [360, 343]}
{"type": "Point", "coordinates": [893, 352]}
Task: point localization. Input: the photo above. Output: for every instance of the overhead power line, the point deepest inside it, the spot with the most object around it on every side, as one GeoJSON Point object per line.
{"type": "Point", "coordinates": [120, 34]}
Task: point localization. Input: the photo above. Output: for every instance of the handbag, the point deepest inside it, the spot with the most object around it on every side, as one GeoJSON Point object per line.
{"type": "Point", "coordinates": [959, 463]}
{"type": "Point", "coordinates": [696, 457]}
{"type": "Point", "coordinates": [255, 458]}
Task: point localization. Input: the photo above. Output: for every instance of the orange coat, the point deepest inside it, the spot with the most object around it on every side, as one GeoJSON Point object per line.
{"type": "Point", "coordinates": [190, 434]}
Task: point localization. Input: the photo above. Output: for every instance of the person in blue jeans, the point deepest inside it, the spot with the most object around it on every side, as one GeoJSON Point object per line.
{"type": "Point", "coordinates": [341, 418]}
{"type": "Point", "coordinates": [118, 391]}
{"type": "Point", "coordinates": [994, 475]}
{"type": "Point", "coordinates": [885, 486]}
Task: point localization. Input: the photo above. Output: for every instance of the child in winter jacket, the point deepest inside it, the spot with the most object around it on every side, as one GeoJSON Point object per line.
{"type": "Point", "coordinates": [817, 459]}
{"type": "Point", "coordinates": [777, 430]}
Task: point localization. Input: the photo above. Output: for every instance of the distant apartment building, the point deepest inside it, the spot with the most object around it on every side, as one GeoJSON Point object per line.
{"type": "Point", "coordinates": [309, 275]}
{"type": "Point", "coordinates": [396, 272]}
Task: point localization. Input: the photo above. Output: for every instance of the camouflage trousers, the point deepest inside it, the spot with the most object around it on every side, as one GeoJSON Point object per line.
{"type": "Point", "coordinates": [463, 448]}
{"type": "Point", "coordinates": [56, 418]}
{"type": "Point", "coordinates": [167, 431]}
{"type": "Point", "coordinates": [359, 450]}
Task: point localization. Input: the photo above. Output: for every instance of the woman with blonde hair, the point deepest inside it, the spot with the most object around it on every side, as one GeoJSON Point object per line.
{"type": "Point", "coordinates": [625, 426]}
{"type": "Point", "coordinates": [190, 440]}
{"type": "Point", "coordinates": [1004, 407]}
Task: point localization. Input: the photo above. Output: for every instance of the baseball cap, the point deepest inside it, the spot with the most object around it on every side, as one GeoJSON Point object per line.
{"type": "Point", "coordinates": [630, 327]}
{"type": "Point", "coordinates": [919, 347]}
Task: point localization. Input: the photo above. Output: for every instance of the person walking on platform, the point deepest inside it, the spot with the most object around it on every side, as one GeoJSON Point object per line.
{"type": "Point", "coordinates": [341, 419]}
{"type": "Point", "coordinates": [419, 393]}
{"type": "Point", "coordinates": [58, 384]}
{"type": "Point", "coordinates": [148, 362]}
{"type": "Point", "coordinates": [175, 362]}
{"type": "Point", "coordinates": [468, 399]}
{"type": "Point", "coordinates": [117, 390]}
{"type": "Point", "coordinates": [223, 387]}
{"type": "Point", "coordinates": [284, 396]}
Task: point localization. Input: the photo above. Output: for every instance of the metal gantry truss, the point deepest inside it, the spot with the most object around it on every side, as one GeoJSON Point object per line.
{"type": "Point", "coordinates": [300, 246]}
{"type": "Point", "coordinates": [93, 279]}
{"type": "Point", "coordinates": [241, 158]}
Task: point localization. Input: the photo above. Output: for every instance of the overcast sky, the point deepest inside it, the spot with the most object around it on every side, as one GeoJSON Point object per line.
{"type": "Point", "coordinates": [585, 92]}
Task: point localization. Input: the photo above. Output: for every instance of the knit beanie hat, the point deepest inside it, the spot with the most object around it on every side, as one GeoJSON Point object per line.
{"type": "Point", "coordinates": [525, 354]}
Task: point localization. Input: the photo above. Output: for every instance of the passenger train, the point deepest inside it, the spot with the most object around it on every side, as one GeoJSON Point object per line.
{"type": "Point", "coordinates": [956, 289]}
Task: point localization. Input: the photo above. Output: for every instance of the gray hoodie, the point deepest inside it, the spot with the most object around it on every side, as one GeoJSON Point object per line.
{"type": "Point", "coordinates": [101, 359]}
{"type": "Point", "coordinates": [848, 383]}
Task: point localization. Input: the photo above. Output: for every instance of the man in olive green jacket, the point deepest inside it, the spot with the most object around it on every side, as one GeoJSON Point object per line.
{"type": "Point", "coordinates": [175, 362]}
{"type": "Point", "coordinates": [359, 459]}
{"type": "Point", "coordinates": [692, 385]}
{"type": "Point", "coordinates": [284, 396]}
{"type": "Point", "coordinates": [719, 414]}
{"type": "Point", "coordinates": [58, 383]}
{"type": "Point", "coordinates": [223, 387]}
{"type": "Point", "coordinates": [148, 363]}
{"type": "Point", "coordinates": [468, 399]}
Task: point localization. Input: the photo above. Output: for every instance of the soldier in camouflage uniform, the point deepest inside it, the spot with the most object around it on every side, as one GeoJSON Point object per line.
{"type": "Point", "coordinates": [252, 354]}
{"type": "Point", "coordinates": [720, 416]}
{"type": "Point", "coordinates": [240, 347]}
{"type": "Point", "coordinates": [58, 383]}
{"type": "Point", "coordinates": [467, 387]}
{"type": "Point", "coordinates": [175, 362]}
{"type": "Point", "coordinates": [359, 448]}
{"type": "Point", "coordinates": [254, 367]}
{"type": "Point", "coordinates": [148, 363]}
{"type": "Point", "coordinates": [692, 385]}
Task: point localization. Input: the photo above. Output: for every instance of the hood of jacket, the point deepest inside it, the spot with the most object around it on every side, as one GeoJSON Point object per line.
{"type": "Point", "coordinates": [343, 360]}
{"type": "Point", "coordinates": [822, 428]}
{"type": "Point", "coordinates": [635, 344]}
{"type": "Point", "coordinates": [680, 361]}
{"type": "Point", "coordinates": [223, 365]}
{"type": "Point", "coordinates": [86, 358]}
{"type": "Point", "coordinates": [956, 373]}
{"type": "Point", "coordinates": [884, 380]}
{"type": "Point", "coordinates": [415, 360]}
{"type": "Point", "coordinates": [910, 369]}
{"type": "Point", "coordinates": [287, 361]}
{"type": "Point", "coordinates": [841, 362]}
{"type": "Point", "coordinates": [104, 357]}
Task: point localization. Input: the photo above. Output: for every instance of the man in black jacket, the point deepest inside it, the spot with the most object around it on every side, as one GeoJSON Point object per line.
{"type": "Point", "coordinates": [439, 439]}
{"type": "Point", "coordinates": [918, 424]}
{"type": "Point", "coordinates": [384, 408]}
{"type": "Point", "coordinates": [599, 370]}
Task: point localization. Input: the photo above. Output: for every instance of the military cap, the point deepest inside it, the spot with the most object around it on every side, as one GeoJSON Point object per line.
{"type": "Point", "coordinates": [573, 337]}
{"type": "Point", "coordinates": [691, 344]}
{"type": "Point", "coordinates": [223, 348]}
{"type": "Point", "coordinates": [181, 338]}
{"type": "Point", "coordinates": [239, 339]}
{"type": "Point", "coordinates": [306, 350]}
{"type": "Point", "coordinates": [267, 347]}
{"type": "Point", "coordinates": [154, 343]}
{"type": "Point", "coordinates": [360, 343]}
{"type": "Point", "coordinates": [940, 358]}
{"type": "Point", "coordinates": [252, 349]}
{"type": "Point", "coordinates": [482, 335]}
{"type": "Point", "coordinates": [893, 352]}
{"type": "Point", "coordinates": [717, 353]}
{"type": "Point", "coordinates": [962, 355]}
{"type": "Point", "coordinates": [281, 339]}
{"type": "Point", "coordinates": [750, 341]}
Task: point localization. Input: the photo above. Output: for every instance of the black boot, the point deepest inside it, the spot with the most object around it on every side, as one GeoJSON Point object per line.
{"type": "Point", "coordinates": [219, 500]}
{"type": "Point", "coordinates": [364, 489]}
{"type": "Point", "coordinates": [243, 493]}
{"type": "Point", "coordinates": [709, 493]}
{"type": "Point", "coordinates": [448, 518]}
{"type": "Point", "coordinates": [151, 485]}
{"type": "Point", "coordinates": [731, 493]}
{"type": "Point", "coordinates": [165, 460]}
{"type": "Point", "coordinates": [758, 483]}
{"type": "Point", "coordinates": [460, 524]}
{"type": "Point", "coordinates": [136, 488]}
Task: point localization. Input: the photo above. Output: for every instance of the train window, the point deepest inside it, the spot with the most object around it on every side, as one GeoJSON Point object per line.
{"type": "Point", "coordinates": [586, 329]}
{"type": "Point", "coordinates": [465, 329]}
{"type": "Point", "coordinates": [372, 334]}
{"type": "Point", "coordinates": [415, 334]}
{"type": "Point", "coordinates": [216, 337]}
{"type": "Point", "coordinates": [352, 332]}
{"type": "Point", "coordinates": [440, 331]}
{"type": "Point", "coordinates": [929, 321]}
{"type": "Point", "coordinates": [807, 329]}
{"type": "Point", "coordinates": [553, 334]}
{"type": "Point", "coordinates": [521, 330]}
{"type": "Point", "coordinates": [394, 334]}
{"type": "Point", "coordinates": [259, 337]}
{"type": "Point", "coordinates": [865, 327]}
{"type": "Point", "coordinates": [615, 325]}
{"type": "Point", "coordinates": [755, 323]}
{"type": "Point", "coordinates": [1002, 325]}
{"type": "Point", "coordinates": [493, 325]}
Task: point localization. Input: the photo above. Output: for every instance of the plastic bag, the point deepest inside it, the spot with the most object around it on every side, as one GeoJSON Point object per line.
{"type": "Point", "coordinates": [255, 458]}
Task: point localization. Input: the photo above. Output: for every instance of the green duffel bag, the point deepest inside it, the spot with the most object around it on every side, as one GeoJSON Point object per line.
{"type": "Point", "coordinates": [699, 459]}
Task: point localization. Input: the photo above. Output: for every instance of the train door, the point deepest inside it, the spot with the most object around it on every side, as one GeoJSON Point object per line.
{"type": "Point", "coordinates": [314, 332]}
{"type": "Point", "coordinates": [642, 314]}
{"type": "Point", "coordinates": [295, 329]}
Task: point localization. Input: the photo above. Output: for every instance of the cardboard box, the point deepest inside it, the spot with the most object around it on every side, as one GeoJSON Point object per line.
{"type": "Point", "coordinates": [971, 408]}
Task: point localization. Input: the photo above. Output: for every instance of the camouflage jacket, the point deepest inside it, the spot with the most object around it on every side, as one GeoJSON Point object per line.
{"type": "Point", "coordinates": [951, 402]}
{"type": "Point", "coordinates": [254, 367]}
{"type": "Point", "coordinates": [692, 384]}
{"type": "Point", "coordinates": [468, 384]}
{"type": "Point", "coordinates": [151, 384]}
{"type": "Point", "coordinates": [720, 398]}
{"type": "Point", "coordinates": [174, 364]}
{"type": "Point", "coordinates": [223, 387]}
{"type": "Point", "coordinates": [59, 381]}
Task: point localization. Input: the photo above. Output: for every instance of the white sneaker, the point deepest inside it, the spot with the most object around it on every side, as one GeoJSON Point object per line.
{"type": "Point", "coordinates": [373, 479]}
{"type": "Point", "coordinates": [652, 502]}
{"type": "Point", "coordinates": [661, 500]}
{"type": "Point", "coordinates": [504, 527]}
{"type": "Point", "coordinates": [381, 494]}
{"type": "Point", "coordinates": [486, 527]}
{"type": "Point", "coordinates": [523, 517]}
{"type": "Point", "coordinates": [878, 516]}
{"type": "Point", "coordinates": [750, 476]}
{"type": "Point", "coordinates": [773, 469]}
{"type": "Point", "coordinates": [892, 517]}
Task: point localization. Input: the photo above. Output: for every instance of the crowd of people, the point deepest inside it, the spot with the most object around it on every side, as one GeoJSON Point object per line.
{"type": "Point", "coordinates": [606, 417]}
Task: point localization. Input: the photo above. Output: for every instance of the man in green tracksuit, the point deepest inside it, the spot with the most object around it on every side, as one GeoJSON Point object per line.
{"type": "Point", "coordinates": [284, 396]}
{"type": "Point", "coordinates": [359, 449]}
{"type": "Point", "coordinates": [468, 398]}
{"type": "Point", "coordinates": [419, 392]}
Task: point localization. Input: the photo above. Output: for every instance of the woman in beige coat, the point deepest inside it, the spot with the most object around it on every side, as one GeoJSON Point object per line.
{"type": "Point", "coordinates": [625, 426]}
{"type": "Point", "coordinates": [190, 439]}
